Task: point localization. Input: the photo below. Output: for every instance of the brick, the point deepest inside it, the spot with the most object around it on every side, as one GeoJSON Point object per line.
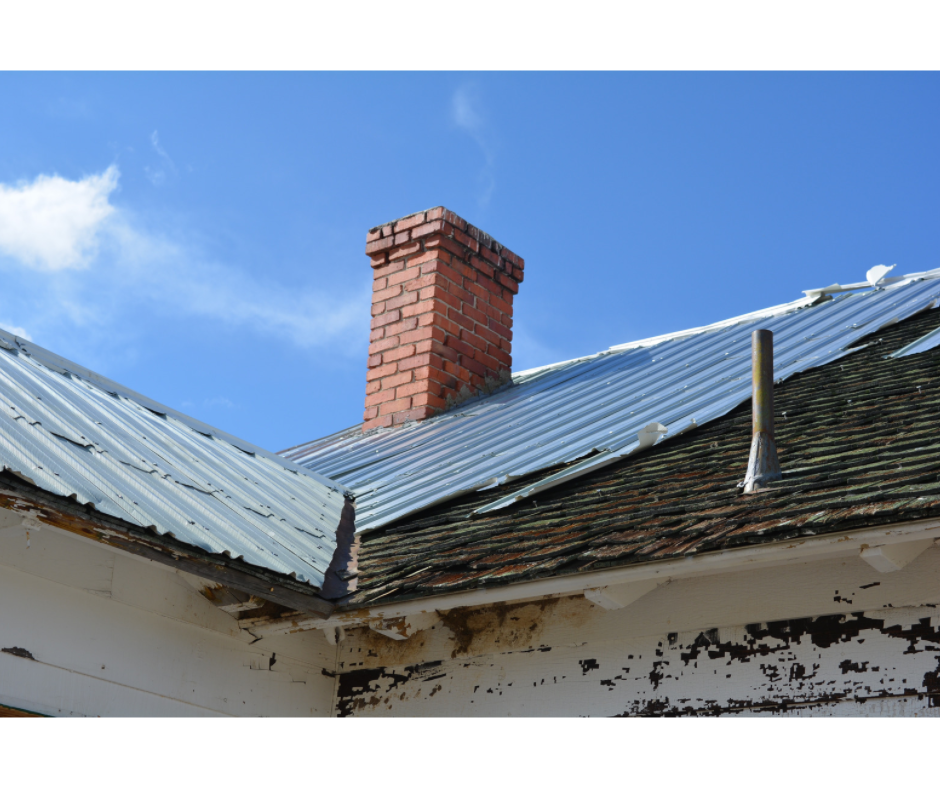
{"type": "Point", "coordinates": [401, 238]}
{"type": "Point", "coordinates": [437, 348]}
{"type": "Point", "coordinates": [377, 399]}
{"type": "Point", "coordinates": [399, 353]}
{"type": "Point", "coordinates": [405, 275]}
{"type": "Point", "coordinates": [384, 344]}
{"type": "Point", "coordinates": [394, 381]}
{"type": "Point", "coordinates": [414, 414]}
{"type": "Point", "coordinates": [490, 336]}
{"type": "Point", "coordinates": [422, 308]}
{"type": "Point", "coordinates": [489, 362]}
{"type": "Point", "coordinates": [502, 304]}
{"type": "Point", "coordinates": [403, 300]}
{"type": "Point", "coordinates": [428, 332]}
{"type": "Point", "coordinates": [384, 295]}
{"type": "Point", "coordinates": [473, 366]}
{"type": "Point", "coordinates": [435, 213]}
{"type": "Point", "coordinates": [410, 221]}
{"type": "Point", "coordinates": [426, 386]}
{"type": "Point", "coordinates": [387, 230]}
{"type": "Point", "coordinates": [395, 406]}
{"type": "Point", "coordinates": [436, 319]}
{"type": "Point", "coordinates": [462, 320]}
{"type": "Point", "coordinates": [390, 316]}
{"type": "Point", "coordinates": [491, 286]}
{"type": "Point", "coordinates": [379, 259]}
{"type": "Point", "coordinates": [426, 280]}
{"type": "Point", "coordinates": [374, 234]}
{"type": "Point", "coordinates": [382, 372]}
{"type": "Point", "coordinates": [462, 238]}
{"type": "Point", "coordinates": [404, 251]}
{"type": "Point", "coordinates": [375, 360]}
{"type": "Point", "coordinates": [378, 309]}
{"type": "Point", "coordinates": [509, 283]}
{"type": "Point", "coordinates": [489, 255]}
{"type": "Point", "coordinates": [426, 229]}
{"type": "Point", "coordinates": [462, 295]}
{"type": "Point", "coordinates": [370, 413]}
{"type": "Point", "coordinates": [428, 399]}
{"type": "Point", "coordinates": [499, 328]}
{"type": "Point", "coordinates": [483, 267]}
{"type": "Point", "coordinates": [474, 314]}
{"type": "Point", "coordinates": [376, 333]}
{"type": "Point", "coordinates": [472, 339]}
{"type": "Point", "coordinates": [506, 345]}
{"type": "Point", "coordinates": [422, 360]}
{"type": "Point", "coordinates": [454, 219]}
{"type": "Point", "coordinates": [443, 242]}
{"type": "Point", "coordinates": [500, 355]}
{"type": "Point", "coordinates": [461, 347]}
{"type": "Point", "coordinates": [380, 245]}
{"type": "Point", "coordinates": [477, 289]}
{"type": "Point", "coordinates": [446, 380]}
{"type": "Point", "coordinates": [379, 283]}
{"type": "Point", "coordinates": [406, 324]}
{"type": "Point", "coordinates": [427, 256]}
{"type": "Point", "coordinates": [444, 273]}
{"type": "Point", "coordinates": [375, 423]}
{"type": "Point", "coordinates": [439, 294]}
{"type": "Point", "coordinates": [372, 386]}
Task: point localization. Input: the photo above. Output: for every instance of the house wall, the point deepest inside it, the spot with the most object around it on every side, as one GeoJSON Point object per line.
{"type": "Point", "coordinates": [831, 637]}
{"type": "Point", "coordinates": [86, 630]}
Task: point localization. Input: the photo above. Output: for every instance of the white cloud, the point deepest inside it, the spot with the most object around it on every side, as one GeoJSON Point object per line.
{"type": "Point", "coordinates": [92, 264]}
{"type": "Point", "coordinates": [53, 223]}
{"type": "Point", "coordinates": [18, 330]}
{"type": "Point", "coordinates": [466, 115]}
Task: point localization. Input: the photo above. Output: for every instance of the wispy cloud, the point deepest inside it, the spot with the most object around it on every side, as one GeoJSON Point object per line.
{"type": "Point", "coordinates": [467, 115]}
{"type": "Point", "coordinates": [77, 260]}
{"type": "Point", "coordinates": [219, 402]}
{"type": "Point", "coordinates": [158, 174]}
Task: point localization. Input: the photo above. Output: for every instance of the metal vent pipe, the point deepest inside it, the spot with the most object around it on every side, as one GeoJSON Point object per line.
{"type": "Point", "coordinates": [763, 466]}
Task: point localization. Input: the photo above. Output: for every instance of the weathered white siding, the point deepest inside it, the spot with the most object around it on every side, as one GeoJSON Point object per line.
{"type": "Point", "coordinates": [85, 630]}
{"type": "Point", "coordinates": [822, 638]}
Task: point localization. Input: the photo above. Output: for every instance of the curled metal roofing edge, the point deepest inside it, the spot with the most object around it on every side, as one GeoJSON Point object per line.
{"type": "Point", "coordinates": [588, 411]}
{"type": "Point", "coordinates": [77, 434]}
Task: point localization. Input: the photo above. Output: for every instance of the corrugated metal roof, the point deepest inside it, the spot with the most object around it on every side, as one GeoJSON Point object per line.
{"type": "Point", "coordinates": [589, 411]}
{"type": "Point", "coordinates": [74, 433]}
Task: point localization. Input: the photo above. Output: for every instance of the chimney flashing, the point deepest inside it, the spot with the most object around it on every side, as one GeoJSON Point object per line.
{"type": "Point", "coordinates": [442, 316]}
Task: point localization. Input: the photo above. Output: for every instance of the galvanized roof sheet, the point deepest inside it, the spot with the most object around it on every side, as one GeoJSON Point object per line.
{"type": "Point", "coordinates": [74, 433]}
{"type": "Point", "coordinates": [589, 412]}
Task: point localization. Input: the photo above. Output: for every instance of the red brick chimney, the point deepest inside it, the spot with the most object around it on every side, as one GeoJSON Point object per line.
{"type": "Point", "coordinates": [441, 316]}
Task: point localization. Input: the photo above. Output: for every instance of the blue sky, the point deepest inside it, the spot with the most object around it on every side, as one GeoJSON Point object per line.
{"type": "Point", "coordinates": [200, 237]}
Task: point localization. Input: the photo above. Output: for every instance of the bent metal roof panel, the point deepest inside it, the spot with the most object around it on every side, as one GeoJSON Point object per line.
{"type": "Point", "coordinates": [857, 446]}
{"type": "Point", "coordinates": [74, 433]}
{"type": "Point", "coordinates": [589, 412]}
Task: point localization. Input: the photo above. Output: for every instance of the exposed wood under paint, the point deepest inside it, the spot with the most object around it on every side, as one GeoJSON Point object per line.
{"type": "Point", "coordinates": [19, 497]}
{"type": "Point", "coordinates": [795, 551]}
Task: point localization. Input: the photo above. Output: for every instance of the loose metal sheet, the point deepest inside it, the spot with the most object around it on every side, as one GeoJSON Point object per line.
{"type": "Point", "coordinates": [589, 412]}
{"type": "Point", "coordinates": [76, 434]}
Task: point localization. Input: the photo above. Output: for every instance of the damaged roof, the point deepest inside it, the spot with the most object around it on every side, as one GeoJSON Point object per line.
{"type": "Point", "coordinates": [587, 413]}
{"type": "Point", "coordinates": [76, 434]}
{"type": "Point", "coordinates": [857, 442]}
